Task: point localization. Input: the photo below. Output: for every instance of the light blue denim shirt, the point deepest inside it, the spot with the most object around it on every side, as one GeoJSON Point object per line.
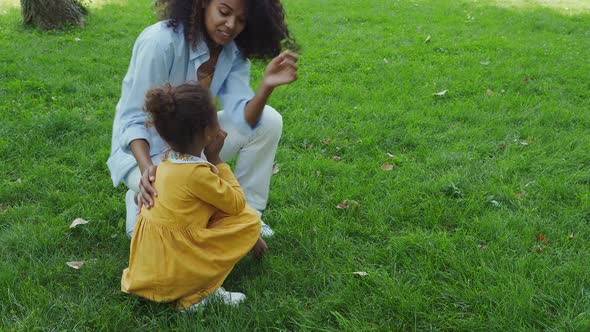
{"type": "Point", "coordinates": [161, 54]}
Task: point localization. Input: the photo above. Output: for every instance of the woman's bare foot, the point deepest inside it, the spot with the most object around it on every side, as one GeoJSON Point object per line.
{"type": "Point", "coordinates": [260, 248]}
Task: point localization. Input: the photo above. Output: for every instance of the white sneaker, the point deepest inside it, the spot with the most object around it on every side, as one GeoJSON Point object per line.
{"type": "Point", "coordinates": [225, 297]}
{"type": "Point", "coordinates": [265, 230]}
{"type": "Point", "coordinates": [229, 298]}
{"type": "Point", "coordinates": [193, 308]}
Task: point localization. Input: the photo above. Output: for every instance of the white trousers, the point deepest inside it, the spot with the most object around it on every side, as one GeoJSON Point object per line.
{"type": "Point", "coordinates": [255, 156]}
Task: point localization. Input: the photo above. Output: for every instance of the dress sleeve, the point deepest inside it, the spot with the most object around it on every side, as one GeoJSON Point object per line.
{"type": "Point", "coordinates": [149, 68]}
{"type": "Point", "coordinates": [221, 190]}
{"type": "Point", "coordinates": [235, 93]}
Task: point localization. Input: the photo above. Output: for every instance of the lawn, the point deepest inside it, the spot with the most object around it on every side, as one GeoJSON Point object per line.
{"type": "Point", "coordinates": [458, 131]}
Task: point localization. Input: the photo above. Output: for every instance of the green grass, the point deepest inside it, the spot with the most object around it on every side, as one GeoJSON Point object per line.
{"type": "Point", "coordinates": [448, 237]}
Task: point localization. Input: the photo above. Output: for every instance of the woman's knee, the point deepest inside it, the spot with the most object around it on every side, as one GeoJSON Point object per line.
{"type": "Point", "coordinates": [271, 122]}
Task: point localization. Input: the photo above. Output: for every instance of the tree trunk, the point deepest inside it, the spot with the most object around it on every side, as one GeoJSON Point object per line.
{"type": "Point", "coordinates": [52, 14]}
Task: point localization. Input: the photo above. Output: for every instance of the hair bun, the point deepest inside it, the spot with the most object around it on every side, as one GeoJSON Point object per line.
{"type": "Point", "coordinates": [160, 100]}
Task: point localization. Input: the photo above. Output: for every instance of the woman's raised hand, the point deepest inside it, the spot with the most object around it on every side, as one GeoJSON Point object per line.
{"type": "Point", "coordinates": [281, 70]}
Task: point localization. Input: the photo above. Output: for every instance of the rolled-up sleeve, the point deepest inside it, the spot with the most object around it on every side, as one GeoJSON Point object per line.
{"type": "Point", "coordinates": [235, 93]}
{"type": "Point", "coordinates": [149, 68]}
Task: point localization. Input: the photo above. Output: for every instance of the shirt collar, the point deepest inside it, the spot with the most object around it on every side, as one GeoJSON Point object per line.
{"type": "Point", "coordinates": [183, 158]}
{"type": "Point", "coordinates": [202, 49]}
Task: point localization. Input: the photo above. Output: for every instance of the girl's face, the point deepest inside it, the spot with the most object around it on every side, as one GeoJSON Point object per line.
{"type": "Point", "coordinates": [224, 20]}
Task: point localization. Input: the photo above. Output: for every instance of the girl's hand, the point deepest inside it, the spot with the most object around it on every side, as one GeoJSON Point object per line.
{"type": "Point", "coordinates": [146, 190]}
{"type": "Point", "coordinates": [212, 150]}
{"type": "Point", "coordinates": [281, 70]}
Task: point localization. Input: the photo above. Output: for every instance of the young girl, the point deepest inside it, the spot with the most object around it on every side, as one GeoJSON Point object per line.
{"type": "Point", "coordinates": [183, 248]}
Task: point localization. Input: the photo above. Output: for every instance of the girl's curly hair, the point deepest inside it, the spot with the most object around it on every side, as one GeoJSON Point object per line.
{"type": "Point", "coordinates": [179, 113]}
{"type": "Point", "coordinates": [263, 37]}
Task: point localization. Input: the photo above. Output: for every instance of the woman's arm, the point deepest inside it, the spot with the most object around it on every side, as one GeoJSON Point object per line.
{"type": "Point", "coordinates": [141, 151]}
{"type": "Point", "coordinates": [281, 70]}
{"type": "Point", "coordinates": [149, 67]}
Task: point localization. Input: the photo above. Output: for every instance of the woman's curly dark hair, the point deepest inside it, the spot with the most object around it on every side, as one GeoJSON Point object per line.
{"type": "Point", "coordinates": [263, 37]}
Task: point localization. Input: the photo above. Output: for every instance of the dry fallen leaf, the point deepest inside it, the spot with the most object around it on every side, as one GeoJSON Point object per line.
{"type": "Point", "coordinates": [489, 92]}
{"type": "Point", "coordinates": [518, 195]}
{"type": "Point", "coordinates": [343, 205]}
{"type": "Point", "coordinates": [336, 158]}
{"type": "Point", "coordinates": [325, 141]}
{"type": "Point", "coordinates": [75, 264]}
{"type": "Point", "coordinates": [387, 167]}
{"type": "Point", "coordinates": [441, 93]}
{"type": "Point", "coordinates": [482, 247]}
{"type": "Point", "coordinates": [275, 168]}
{"type": "Point", "coordinates": [538, 249]}
{"type": "Point", "coordinates": [78, 221]}
{"type": "Point", "coordinates": [542, 238]}
{"type": "Point", "coordinates": [427, 40]}
{"type": "Point", "coordinates": [360, 273]}
{"type": "Point", "coordinates": [526, 80]}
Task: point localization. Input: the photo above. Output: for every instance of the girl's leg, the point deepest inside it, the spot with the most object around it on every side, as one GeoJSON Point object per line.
{"type": "Point", "coordinates": [233, 237]}
{"type": "Point", "coordinates": [255, 153]}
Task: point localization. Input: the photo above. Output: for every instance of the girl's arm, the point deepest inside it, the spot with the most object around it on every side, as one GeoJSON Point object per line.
{"type": "Point", "coordinates": [221, 190]}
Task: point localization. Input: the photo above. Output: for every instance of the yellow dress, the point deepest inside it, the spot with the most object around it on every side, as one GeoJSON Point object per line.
{"type": "Point", "coordinates": [183, 248]}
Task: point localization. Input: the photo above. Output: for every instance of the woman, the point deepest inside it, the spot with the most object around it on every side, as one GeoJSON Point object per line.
{"type": "Point", "coordinates": [209, 41]}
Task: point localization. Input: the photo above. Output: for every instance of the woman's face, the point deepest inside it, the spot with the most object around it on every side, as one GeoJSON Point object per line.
{"type": "Point", "coordinates": [224, 20]}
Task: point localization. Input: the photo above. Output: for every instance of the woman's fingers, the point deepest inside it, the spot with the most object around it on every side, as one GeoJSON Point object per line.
{"type": "Point", "coordinates": [146, 198]}
{"type": "Point", "coordinates": [286, 56]}
{"type": "Point", "coordinates": [139, 202]}
{"type": "Point", "coordinates": [147, 191]}
{"type": "Point", "coordinates": [291, 56]}
{"type": "Point", "coordinates": [289, 62]}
